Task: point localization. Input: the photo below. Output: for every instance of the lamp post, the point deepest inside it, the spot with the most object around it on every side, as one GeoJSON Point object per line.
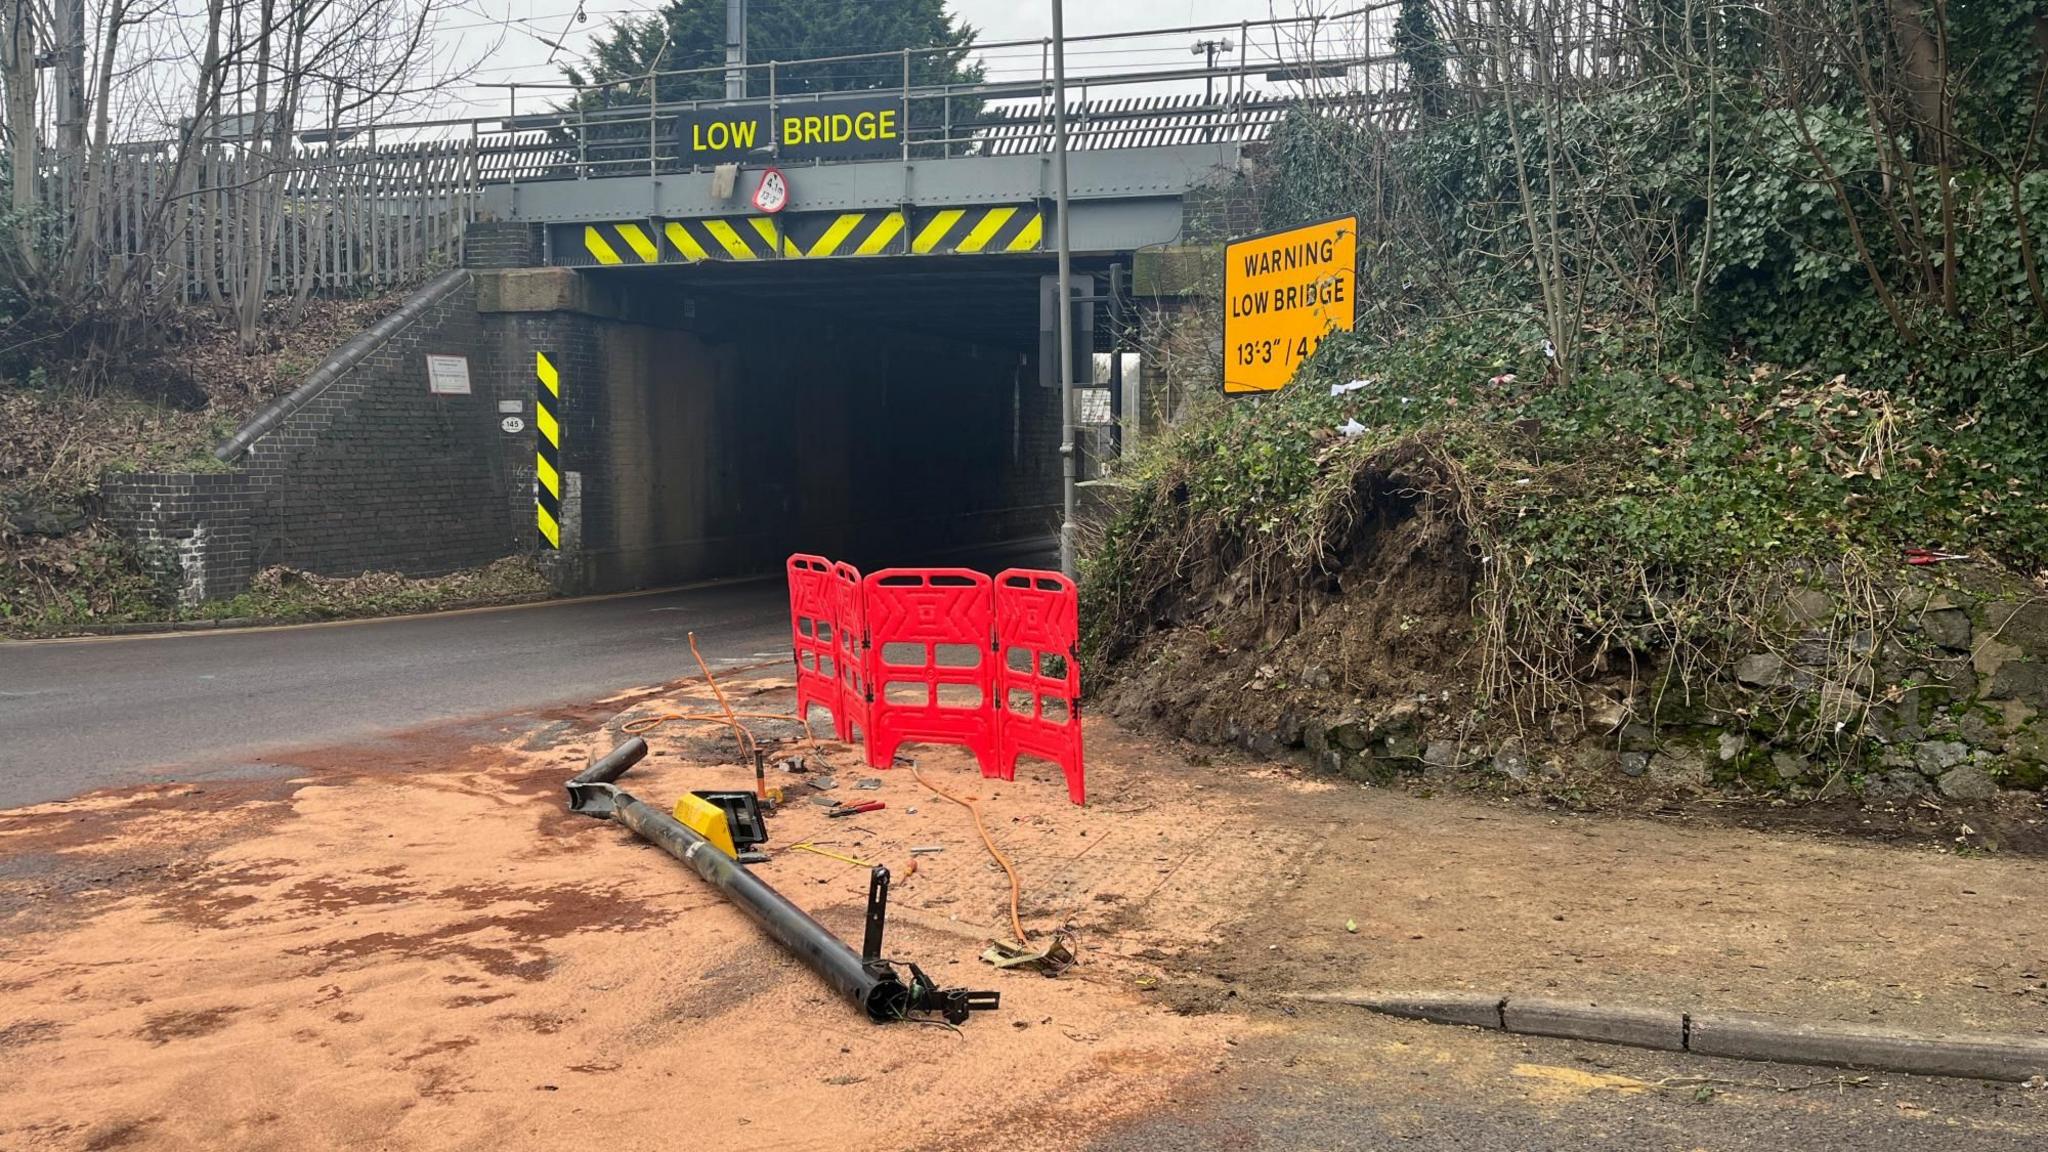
{"type": "Point", "coordinates": [735, 49]}
{"type": "Point", "coordinates": [1068, 471]}
{"type": "Point", "coordinates": [1211, 49]}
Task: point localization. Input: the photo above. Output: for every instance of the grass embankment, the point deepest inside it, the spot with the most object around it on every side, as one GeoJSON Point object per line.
{"type": "Point", "coordinates": [59, 565]}
{"type": "Point", "coordinates": [1643, 519]}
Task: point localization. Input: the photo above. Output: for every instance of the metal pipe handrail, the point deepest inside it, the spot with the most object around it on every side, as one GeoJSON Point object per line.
{"type": "Point", "coordinates": [893, 53]}
{"type": "Point", "coordinates": [1011, 117]}
{"type": "Point", "coordinates": [585, 116]}
{"type": "Point", "coordinates": [999, 90]}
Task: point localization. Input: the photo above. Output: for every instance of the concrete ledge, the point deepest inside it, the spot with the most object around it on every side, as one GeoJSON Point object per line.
{"type": "Point", "coordinates": [1579, 1020]}
{"type": "Point", "coordinates": [1473, 1011]}
{"type": "Point", "coordinates": [544, 290]}
{"type": "Point", "coordinates": [1978, 1057]}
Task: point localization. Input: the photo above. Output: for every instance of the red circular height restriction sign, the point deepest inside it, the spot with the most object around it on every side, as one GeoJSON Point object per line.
{"type": "Point", "coordinates": [773, 194]}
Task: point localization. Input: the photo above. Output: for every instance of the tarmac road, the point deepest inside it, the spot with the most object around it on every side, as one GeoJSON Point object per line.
{"type": "Point", "coordinates": [101, 712]}
{"type": "Point", "coordinates": [76, 715]}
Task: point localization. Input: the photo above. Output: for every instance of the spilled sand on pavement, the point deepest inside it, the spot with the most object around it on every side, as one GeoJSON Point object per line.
{"type": "Point", "coordinates": [412, 944]}
{"type": "Point", "coordinates": [440, 956]}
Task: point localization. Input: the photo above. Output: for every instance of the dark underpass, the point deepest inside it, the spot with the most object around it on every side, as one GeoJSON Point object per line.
{"type": "Point", "coordinates": [702, 420]}
{"type": "Point", "coordinates": [718, 417]}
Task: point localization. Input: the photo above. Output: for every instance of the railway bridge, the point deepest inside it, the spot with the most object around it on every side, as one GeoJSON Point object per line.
{"type": "Point", "coordinates": [686, 339]}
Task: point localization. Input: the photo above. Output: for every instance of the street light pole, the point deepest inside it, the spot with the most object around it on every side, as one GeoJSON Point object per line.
{"type": "Point", "coordinates": [1211, 49]}
{"type": "Point", "coordinates": [1068, 472]}
{"type": "Point", "coordinates": [735, 49]}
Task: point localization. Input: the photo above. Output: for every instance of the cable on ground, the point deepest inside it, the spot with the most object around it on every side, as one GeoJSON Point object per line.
{"type": "Point", "coordinates": [725, 716]}
{"type": "Point", "coordinates": [1016, 887]}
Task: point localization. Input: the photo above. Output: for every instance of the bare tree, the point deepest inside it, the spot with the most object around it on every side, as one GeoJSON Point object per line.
{"type": "Point", "coordinates": [18, 51]}
{"type": "Point", "coordinates": [179, 180]}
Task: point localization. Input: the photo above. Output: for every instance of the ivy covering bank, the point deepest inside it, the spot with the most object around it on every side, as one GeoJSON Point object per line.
{"type": "Point", "coordinates": [1648, 354]}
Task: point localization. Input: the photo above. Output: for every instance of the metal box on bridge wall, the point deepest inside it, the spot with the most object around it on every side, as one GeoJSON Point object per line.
{"type": "Point", "coordinates": [1083, 330]}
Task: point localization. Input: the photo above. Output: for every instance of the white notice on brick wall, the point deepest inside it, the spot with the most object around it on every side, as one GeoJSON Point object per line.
{"type": "Point", "coordinates": [448, 375]}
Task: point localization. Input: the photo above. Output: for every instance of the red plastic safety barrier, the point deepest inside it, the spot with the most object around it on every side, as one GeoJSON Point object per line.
{"type": "Point", "coordinates": [849, 647]}
{"type": "Point", "coordinates": [942, 656]}
{"type": "Point", "coordinates": [1038, 673]}
{"type": "Point", "coordinates": [814, 634]}
{"type": "Point", "coordinates": [928, 634]}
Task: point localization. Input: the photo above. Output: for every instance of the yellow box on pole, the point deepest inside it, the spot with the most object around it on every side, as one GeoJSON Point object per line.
{"type": "Point", "coordinates": [707, 820]}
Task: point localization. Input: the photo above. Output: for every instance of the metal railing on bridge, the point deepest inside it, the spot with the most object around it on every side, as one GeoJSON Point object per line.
{"type": "Point", "coordinates": [375, 206]}
{"type": "Point", "coordinates": [594, 130]}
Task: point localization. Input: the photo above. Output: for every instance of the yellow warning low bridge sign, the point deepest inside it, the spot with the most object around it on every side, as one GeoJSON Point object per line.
{"type": "Point", "coordinates": [1283, 292]}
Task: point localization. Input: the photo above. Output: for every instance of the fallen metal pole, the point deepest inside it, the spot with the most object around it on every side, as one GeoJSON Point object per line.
{"type": "Point", "coordinates": [604, 770]}
{"type": "Point", "coordinates": [869, 981]}
{"type": "Point", "coordinates": [880, 994]}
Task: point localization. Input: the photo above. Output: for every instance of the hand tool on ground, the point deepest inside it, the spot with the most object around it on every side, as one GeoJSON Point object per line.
{"type": "Point", "coordinates": [855, 809]}
{"type": "Point", "coordinates": [1922, 557]}
{"type": "Point", "coordinates": [866, 978]}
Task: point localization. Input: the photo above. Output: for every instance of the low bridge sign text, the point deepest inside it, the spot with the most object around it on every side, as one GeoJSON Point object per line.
{"type": "Point", "coordinates": [1284, 291]}
{"type": "Point", "coordinates": [847, 128]}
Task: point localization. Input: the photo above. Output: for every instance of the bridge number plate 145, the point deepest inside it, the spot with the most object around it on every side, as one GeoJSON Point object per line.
{"type": "Point", "coordinates": [1283, 292]}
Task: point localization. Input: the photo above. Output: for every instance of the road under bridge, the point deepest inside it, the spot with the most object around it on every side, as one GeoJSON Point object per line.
{"type": "Point", "coordinates": [858, 373]}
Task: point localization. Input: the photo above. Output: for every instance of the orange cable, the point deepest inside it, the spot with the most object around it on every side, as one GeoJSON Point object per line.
{"type": "Point", "coordinates": [728, 717]}
{"type": "Point", "coordinates": [723, 703]}
{"type": "Point", "coordinates": [1016, 887]}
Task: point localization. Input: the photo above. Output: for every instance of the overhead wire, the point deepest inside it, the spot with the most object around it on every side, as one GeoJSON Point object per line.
{"type": "Point", "coordinates": [555, 45]}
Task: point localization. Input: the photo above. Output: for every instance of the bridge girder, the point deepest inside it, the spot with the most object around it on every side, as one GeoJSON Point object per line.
{"type": "Point", "coordinates": [1122, 199]}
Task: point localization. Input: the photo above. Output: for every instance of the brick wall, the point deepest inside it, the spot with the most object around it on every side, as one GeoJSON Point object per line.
{"type": "Point", "coordinates": [374, 473]}
{"type": "Point", "coordinates": [1220, 211]}
{"type": "Point", "coordinates": [501, 244]}
{"type": "Point", "coordinates": [195, 524]}
{"type": "Point", "coordinates": [572, 344]}
{"type": "Point", "coordinates": [378, 474]}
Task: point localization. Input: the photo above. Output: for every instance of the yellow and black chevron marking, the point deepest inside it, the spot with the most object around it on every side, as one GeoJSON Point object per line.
{"type": "Point", "coordinates": [547, 442]}
{"type": "Point", "coordinates": [802, 236]}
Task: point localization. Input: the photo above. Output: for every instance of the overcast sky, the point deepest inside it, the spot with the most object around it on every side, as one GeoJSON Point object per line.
{"type": "Point", "coordinates": [509, 40]}
{"type": "Point", "coordinates": [1001, 20]}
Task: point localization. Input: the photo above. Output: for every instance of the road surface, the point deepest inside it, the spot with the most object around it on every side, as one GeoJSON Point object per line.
{"type": "Point", "coordinates": [82, 714]}
{"type": "Point", "coordinates": [76, 715]}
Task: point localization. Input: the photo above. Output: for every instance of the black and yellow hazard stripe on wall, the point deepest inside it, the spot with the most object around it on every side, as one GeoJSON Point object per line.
{"type": "Point", "coordinates": [547, 442]}
{"type": "Point", "coordinates": [802, 236]}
